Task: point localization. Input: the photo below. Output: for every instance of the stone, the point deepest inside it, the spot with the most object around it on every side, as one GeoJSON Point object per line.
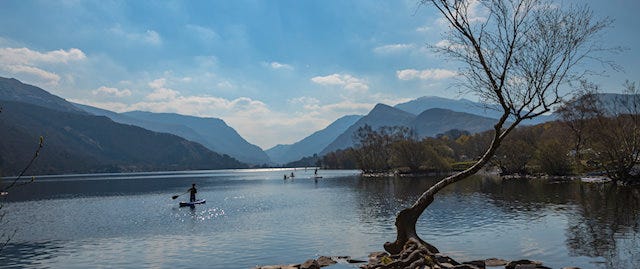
{"type": "Point", "coordinates": [479, 263]}
{"type": "Point", "coordinates": [466, 266]}
{"type": "Point", "coordinates": [494, 262]}
{"type": "Point", "coordinates": [445, 259]}
{"type": "Point", "coordinates": [325, 261]}
{"type": "Point", "coordinates": [523, 264]}
{"type": "Point", "coordinates": [355, 261]}
{"type": "Point", "coordinates": [446, 265]}
{"type": "Point", "coordinates": [310, 264]}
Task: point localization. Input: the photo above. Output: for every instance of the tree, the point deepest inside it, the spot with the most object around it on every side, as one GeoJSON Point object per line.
{"type": "Point", "coordinates": [616, 135]}
{"type": "Point", "coordinates": [517, 57]}
{"type": "Point", "coordinates": [577, 113]}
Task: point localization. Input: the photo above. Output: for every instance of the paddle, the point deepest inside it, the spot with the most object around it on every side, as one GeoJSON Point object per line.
{"type": "Point", "coordinates": [176, 196]}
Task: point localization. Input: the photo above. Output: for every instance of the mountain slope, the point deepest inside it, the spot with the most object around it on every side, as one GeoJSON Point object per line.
{"type": "Point", "coordinates": [421, 104]}
{"type": "Point", "coordinates": [313, 143]}
{"type": "Point", "coordinates": [13, 90]}
{"type": "Point", "coordinates": [436, 121]}
{"type": "Point", "coordinates": [213, 133]}
{"type": "Point", "coordinates": [381, 115]}
{"type": "Point", "coordinates": [81, 143]}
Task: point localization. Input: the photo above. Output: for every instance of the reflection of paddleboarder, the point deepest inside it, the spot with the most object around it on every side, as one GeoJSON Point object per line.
{"type": "Point", "coordinates": [192, 192]}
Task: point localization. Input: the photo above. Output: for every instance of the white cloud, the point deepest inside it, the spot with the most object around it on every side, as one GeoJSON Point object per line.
{"type": "Point", "coordinates": [393, 48]}
{"type": "Point", "coordinates": [427, 74]}
{"type": "Point", "coordinates": [203, 33]}
{"type": "Point", "coordinates": [160, 92]}
{"type": "Point", "coordinates": [148, 37]}
{"type": "Point", "coordinates": [346, 81]}
{"type": "Point", "coordinates": [277, 65]}
{"type": "Point", "coordinates": [111, 92]}
{"type": "Point", "coordinates": [30, 65]}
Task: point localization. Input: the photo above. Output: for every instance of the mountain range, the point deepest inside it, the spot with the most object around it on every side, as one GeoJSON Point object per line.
{"type": "Point", "coordinates": [212, 133]}
{"type": "Point", "coordinates": [201, 139]}
{"type": "Point", "coordinates": [78, 142]}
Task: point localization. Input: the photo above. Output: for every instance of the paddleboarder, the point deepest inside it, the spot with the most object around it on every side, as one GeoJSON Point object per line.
{"type": "Point", "coordinates": [192, 193]}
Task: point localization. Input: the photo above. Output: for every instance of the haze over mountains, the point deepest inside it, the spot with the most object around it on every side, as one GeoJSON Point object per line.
{"type": "Point", "coordinates": [82, 138]}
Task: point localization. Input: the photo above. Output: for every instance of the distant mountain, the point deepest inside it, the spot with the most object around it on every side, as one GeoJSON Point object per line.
{"type": "Point", "coordinates": [213, 133]}
{"type": "Point", "coordinates": [312, 144]}
{"type": "Point", "coordinates": [82, 143]}
{"type": "Point", "coordinates": [210, 132]}
{"type": "Point", "coordinates": [421, 104]}
{"type": "Point", "coordinates": [436, 121]}
{"type": "Point", "coordinates": [429, 123]}
{"type": "Point", "coordinates": [13, 90]}
{"type": "Point", "coordinates": [381, 115]}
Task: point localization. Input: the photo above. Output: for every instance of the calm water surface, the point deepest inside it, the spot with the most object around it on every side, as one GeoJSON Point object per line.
{"type": "Point", "coordinates": [254, 217]}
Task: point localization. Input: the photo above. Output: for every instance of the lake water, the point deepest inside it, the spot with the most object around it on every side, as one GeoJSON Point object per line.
{"type": "Point", "coordinates": [254, 217]}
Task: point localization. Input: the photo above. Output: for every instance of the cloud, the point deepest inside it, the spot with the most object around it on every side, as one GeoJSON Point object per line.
{"type": "Point", "coordinates": [111, 92]}
{"type": "Point", "coordinates": [31, 64]}
{"type": "Point", "coordinates": [203, 33]}
{"type": "Point", "coordinates": [160, 92]}
{"type": "Point", "coordinates": [346, 81]}
{"type": "Point", "coordinates": [150, 37]}
{"type": "Point", "coordinates": [277, 65]}
{"type": "Point", "coordinates": [393, 48]}
{"type": "Point", "coordinates": [427, 74]}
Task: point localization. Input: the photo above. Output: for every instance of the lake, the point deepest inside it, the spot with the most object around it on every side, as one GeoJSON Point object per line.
{"type": "Point", "coordinates": [254, 217]}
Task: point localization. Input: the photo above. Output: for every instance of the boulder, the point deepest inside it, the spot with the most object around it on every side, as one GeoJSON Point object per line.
{"type": "Point", "coordinates": [310, 264]}
{"type": "Point", "coordinates": [325, 261]}
{"type": "Point", "coordinates": [494, 262]}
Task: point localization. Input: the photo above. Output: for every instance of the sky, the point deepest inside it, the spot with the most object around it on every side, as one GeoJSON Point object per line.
{"type": "Point", "coordinates": [276, 71]}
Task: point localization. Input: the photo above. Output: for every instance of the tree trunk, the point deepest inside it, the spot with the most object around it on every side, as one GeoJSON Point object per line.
{"type": "Point", "coordinates": [408, 217]}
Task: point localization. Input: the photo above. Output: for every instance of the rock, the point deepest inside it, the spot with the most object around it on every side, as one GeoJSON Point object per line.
{"type": "Point", "coordinates": [325, 261]}
{"type": "Point", "coordinates": [445, 259]}
{"type": "Point", "coordinates": [310, 264]}
{"type": "Point", "coordinates": [523, 264]}
{"type": "Point", "coordinates": [446, 265]}
{"type": "Point", "coordinates": [355, 261]}
{"type": "Point", "coordinates": [280, 266]}
{"type": "Point", "coordinates": [494, 262]}
{"type": "Point", "coordinates": [466, 266]}
{"type": "Point", "coordinates": [478, 264]}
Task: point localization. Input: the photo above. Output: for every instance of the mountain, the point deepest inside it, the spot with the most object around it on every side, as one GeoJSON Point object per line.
{"type": "Point", "coordinates": [313, 143]}
{"type": "Point", "coordinates": [421, 104]}
{"type": "Point", "coordinates": [211, 132]}
{"type": "Point", "coordinates": [381, 115]}
{"type": "Point", "coordinates": [428, 123]}
{"type": "Point", "coordinates": [78, 142]}
{"type": "Point", "coordinates": [82, 143]}
{"type": "Point", "coordinates": [13, 90]}
{"type": "Point", "coordinates": [435, 121]}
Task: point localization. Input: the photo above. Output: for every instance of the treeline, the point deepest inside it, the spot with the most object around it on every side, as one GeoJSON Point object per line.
{"type": "Point", "coordinates": [594, 135]}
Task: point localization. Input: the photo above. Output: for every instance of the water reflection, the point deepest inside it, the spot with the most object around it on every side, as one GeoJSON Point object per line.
{"type": "Point", "coordinates": [600, 221]}
{"type": "Point", "coordinates": [255, 218]}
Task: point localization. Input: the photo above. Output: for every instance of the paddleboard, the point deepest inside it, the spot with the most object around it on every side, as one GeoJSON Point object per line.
{"type": "Point", "coordinates": [197, 202]}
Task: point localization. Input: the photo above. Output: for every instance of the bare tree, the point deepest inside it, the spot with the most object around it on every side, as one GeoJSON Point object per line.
{"type": "Point", "coordinates": [577, 113]}
{"type": "Point", "coordinates": [518, 56]}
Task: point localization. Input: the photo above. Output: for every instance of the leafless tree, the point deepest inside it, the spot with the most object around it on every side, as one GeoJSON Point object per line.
{"type": "Point", "coordinates": [518, 55]}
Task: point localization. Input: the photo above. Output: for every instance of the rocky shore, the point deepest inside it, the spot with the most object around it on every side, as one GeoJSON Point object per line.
{"type": "Point", "coordinates": [412, 257]}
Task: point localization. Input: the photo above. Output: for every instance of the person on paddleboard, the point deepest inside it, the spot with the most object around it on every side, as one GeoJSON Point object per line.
{"type": "Point", "coordinates": [192, 192]}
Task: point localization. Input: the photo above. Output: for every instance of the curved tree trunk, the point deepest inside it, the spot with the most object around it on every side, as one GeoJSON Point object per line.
{"type": "Point", "coordinates": [408, 217]}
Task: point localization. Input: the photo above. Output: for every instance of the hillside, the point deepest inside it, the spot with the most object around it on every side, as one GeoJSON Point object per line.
{"type": "Point", "coordinates": [380, 115]}
{"type": "Point", "coordinates": [80, 143]}
{"type": "Point", "coordinates": [313, 143]}
{"type": "Point", "coordinates": [213, 133]}
{"type": "Point", "coordinates": [13, 90]}
{"type": "Point", "coordinates": [436, 121]}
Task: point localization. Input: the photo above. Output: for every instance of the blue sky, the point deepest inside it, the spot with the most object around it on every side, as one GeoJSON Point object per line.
{"type": "Point", "coordinates": [276, 71]}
